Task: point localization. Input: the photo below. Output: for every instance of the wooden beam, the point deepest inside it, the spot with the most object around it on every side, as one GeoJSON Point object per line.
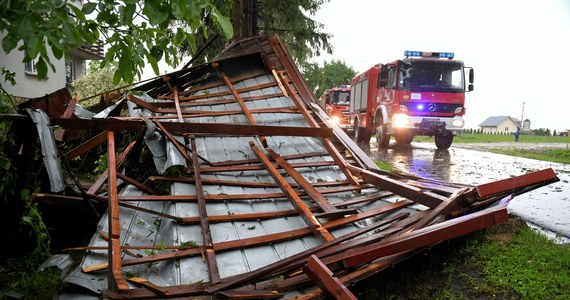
{"type": "Point", "coordinates": [115, 278]}
{"type": "Point", "coordinates": [88, 145]}
{"type": "Point", "coordinates": [331, 149]}
{"type": "Point", "coordinates": [204, 222]}
{"type": "Point", "coordinates": [130, 124]}
{"type": "Point", "coordinates": [329, 210]}
{"type": "Point", "coordinates": [295, 200]}
{"type": "Point", "coordinates": [325, 279]}
{"type": "Point", "coordinates": [262, 240]}
{"type": "Point", "coordinates": [426, 236]}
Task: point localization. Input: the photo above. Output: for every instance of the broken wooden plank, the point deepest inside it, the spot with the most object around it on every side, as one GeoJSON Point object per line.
{"type": "Point", "coordinates": [86, 146]}
{"type": "Point", "coordinates": [204, 222]}
{"type": "Point", "coordinates": [331, 149]}
{"type": "Point", "coordinates": [384, 182]}
{"type": "Point", "coordinates": [510, 185]}
{"type": "Point", "coordinates": [329, 210]}
{"type": "Point", "coordinates": [228, 197]}
{"type": "Point", "coordinates": [115, 277]}
{"type": "Point", "coordinates": [250, 294]}
{"type": "Point", "coordinates": [270, 269]}
{"type": "Point", "coordinates": [325, 279]}
{"type": "Point", "coordinates": [427, 236]}
{"type": "Point", "coordinates": [299, 205]}
{"type": "Point", "coordinates": [149, 285]}
{"type": "Point", "coordinates": [195, 128]}
{"type": "Point", "coordinates": [255, 241]}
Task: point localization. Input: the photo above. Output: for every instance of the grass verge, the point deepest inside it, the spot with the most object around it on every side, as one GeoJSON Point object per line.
{"type": "Point", "coordinates": [552, 155]}
{"type": "Point", "coordinates": [508, 261]}
{"type": "Point", "coordinates": [497, 138]}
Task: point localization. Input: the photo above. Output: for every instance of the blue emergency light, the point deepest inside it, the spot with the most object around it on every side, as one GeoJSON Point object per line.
{"type": "Point", "coordinates": [449, 55]}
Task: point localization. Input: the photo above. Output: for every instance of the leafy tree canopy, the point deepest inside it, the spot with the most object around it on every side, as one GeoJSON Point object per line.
{"type": "Point", "coordinates": [290, 19]}
{"type": "Point", "coordinates": [331, 74]}
{"type": "Point", "coordinates": [133, 30]}
{"type": "Point", "coordinates": [98, 80]}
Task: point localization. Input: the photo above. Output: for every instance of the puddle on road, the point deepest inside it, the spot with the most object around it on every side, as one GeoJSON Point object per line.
{"type": "Point", "coordinates": [547, 207]}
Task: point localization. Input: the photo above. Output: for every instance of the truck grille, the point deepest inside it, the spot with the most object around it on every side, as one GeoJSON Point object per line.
{"type": "Point", "coordinates": [433, 107]}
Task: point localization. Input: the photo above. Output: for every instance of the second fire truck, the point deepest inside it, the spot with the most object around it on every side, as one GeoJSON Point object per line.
{"type": "Point", "coordinates": [422, 94]}
{"type": "Point", "coordinates": [335, 101]}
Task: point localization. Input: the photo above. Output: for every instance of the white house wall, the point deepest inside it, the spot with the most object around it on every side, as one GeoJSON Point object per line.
{"type": "Point", "coordinates": [28, 85]}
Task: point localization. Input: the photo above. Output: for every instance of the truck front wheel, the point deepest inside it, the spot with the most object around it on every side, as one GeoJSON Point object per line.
{"type": "Point", "coordinates": [382, 138]}
{"type": "Point", "coordinates": [443, 141]}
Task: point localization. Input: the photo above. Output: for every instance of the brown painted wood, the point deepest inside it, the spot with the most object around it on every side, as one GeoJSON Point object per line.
{"type": "Point", "coordinates": [311, 221]}
{"type": "Point", "coordinates": [329, 210]}
{"type": "Point", "coordinates": [325, 279]}
{"type": "Point", "coordinates": [115, 277]}
{"type": "Point", "coordinates": [263, 240]}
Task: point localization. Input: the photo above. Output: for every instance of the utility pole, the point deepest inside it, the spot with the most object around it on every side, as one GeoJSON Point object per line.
{"type": "Point", "coordinates": [522, 114]}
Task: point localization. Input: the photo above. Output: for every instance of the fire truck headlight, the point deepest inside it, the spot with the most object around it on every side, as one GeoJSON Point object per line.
{"type": "Point", "coordinates": [403, 108]}
{"type": "Point", "coordinates": [335, 119]}
{"type": "Point", "coordinates": [457, 123]}
{"type": "Point", "coordinates": [459, 109]}
{"type": "Point", "coordinates": [400, 120]}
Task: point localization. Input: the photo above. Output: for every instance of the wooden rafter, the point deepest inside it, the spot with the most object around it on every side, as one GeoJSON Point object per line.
{"type": "Point", "coordinates": [115, 277]}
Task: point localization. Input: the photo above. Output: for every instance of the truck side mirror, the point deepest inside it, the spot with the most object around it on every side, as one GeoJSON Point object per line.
{"type": "Point", "coordinates": [471, 75]}
{"type": "Point", "coordinates": [470, 87]}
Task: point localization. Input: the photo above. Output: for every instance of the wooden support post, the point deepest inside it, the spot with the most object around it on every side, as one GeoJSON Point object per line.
{"type": "Point", "coordinates": [115, 279]}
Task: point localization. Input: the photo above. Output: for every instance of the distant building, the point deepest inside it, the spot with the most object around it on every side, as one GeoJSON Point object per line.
{"type": "Point", "coordinates": [500, 125]}
{"type": "Point", "coordinates": [526, 126]}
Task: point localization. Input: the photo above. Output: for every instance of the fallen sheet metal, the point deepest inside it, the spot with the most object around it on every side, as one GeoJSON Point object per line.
{"type": "Point", "coordinates": [264, 194]}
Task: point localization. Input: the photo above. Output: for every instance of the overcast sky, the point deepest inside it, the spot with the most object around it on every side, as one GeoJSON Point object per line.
{"type": "Point", "coordinates": [520, 50]}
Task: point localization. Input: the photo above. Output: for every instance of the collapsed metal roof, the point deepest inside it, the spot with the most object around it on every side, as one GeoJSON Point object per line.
{"type": "Point", "coordinates": [266, 197]}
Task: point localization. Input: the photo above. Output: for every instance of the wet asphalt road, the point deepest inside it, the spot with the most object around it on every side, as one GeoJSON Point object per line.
{"type": "Point", "coordinates": [547, 207]}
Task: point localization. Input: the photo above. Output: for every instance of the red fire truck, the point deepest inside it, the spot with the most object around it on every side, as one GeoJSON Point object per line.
{"type": "Point", "coordinates": [335, 101]}
{"type": "Point", "coordinates": [422, 94]}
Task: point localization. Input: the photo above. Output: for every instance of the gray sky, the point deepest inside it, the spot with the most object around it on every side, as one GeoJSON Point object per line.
{"type": "Point", "coordinates": [520, 50]}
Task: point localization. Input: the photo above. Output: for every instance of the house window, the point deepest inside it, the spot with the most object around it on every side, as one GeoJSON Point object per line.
{"type": "Point", "coordinates": [507, 129]}
{"type": "Point", "coordinates": [30, 68]}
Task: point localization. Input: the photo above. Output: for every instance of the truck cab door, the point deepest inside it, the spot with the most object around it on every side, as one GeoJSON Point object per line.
{"type": "Point", "coordinates": [386, 85]}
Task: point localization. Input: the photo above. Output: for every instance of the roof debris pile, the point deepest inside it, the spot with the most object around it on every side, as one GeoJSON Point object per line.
{"type": "Point", "coordinates": [265, 198]}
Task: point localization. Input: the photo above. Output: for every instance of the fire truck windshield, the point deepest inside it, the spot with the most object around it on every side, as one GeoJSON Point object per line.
{"type": "Point", "coordinates": [432, 76]}
{"type": "Point", "coordinates": [340, 98]}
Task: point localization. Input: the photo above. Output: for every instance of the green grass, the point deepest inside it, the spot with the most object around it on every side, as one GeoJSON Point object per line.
{"type": "Point", "coordinates": [19, 275]}
{"type": "Point", "coordinates": [497, 138]}
{"type": "Point", "coordinates": [509, 261]}
{"type": "Point", "coordinates": [552, 155]}
{"type": "Point", "coordinates": [528, 264]}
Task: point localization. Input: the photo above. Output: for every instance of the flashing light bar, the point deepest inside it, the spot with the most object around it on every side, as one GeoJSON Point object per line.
{"type": "Point", "coordinates": [449, 55]}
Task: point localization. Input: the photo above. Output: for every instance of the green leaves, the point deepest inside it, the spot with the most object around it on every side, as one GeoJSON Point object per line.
{"type": "Point", "coordinates": [136, 32]}
{"type": "Point", "coordinates": [224, 23]}
{"type": "Point", "coordinates": [156, 12]}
